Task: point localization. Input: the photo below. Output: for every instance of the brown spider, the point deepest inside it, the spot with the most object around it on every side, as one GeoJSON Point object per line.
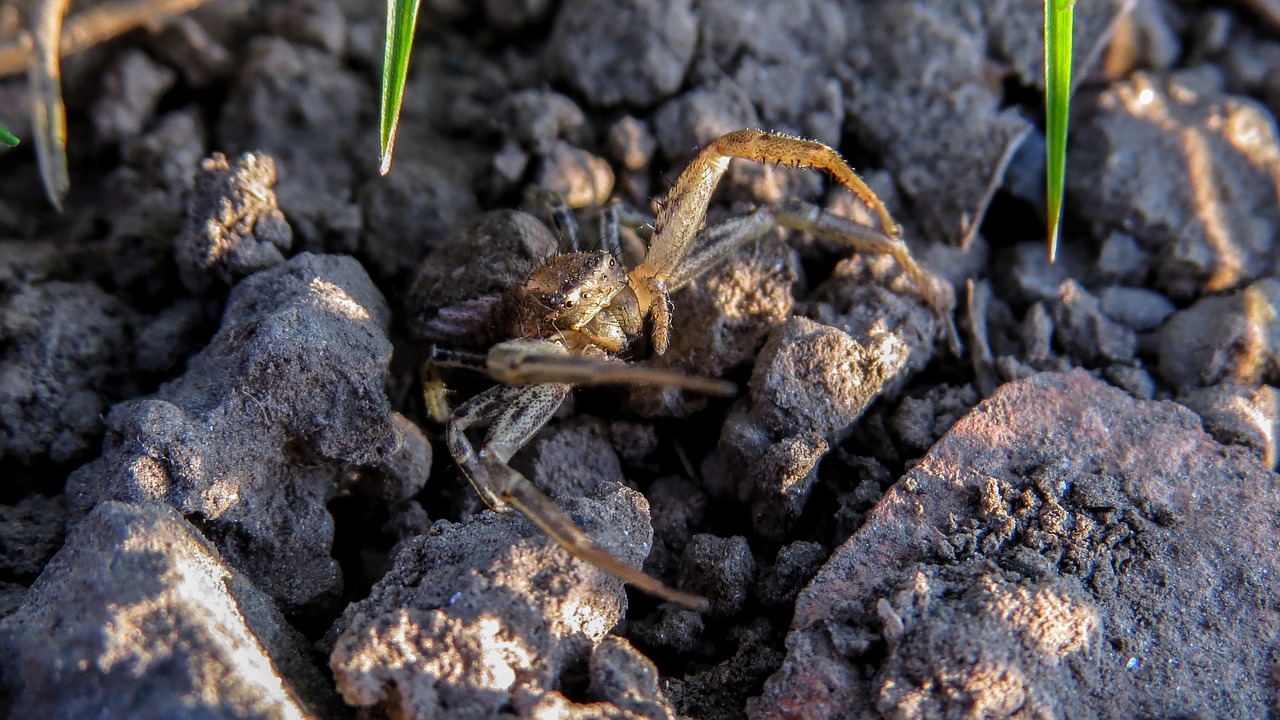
{"type": "Point", "coordinates": [578, 310]}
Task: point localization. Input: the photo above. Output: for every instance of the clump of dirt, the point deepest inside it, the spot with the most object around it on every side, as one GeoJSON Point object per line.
{"type": "Point", "coordinates": [216, 446]}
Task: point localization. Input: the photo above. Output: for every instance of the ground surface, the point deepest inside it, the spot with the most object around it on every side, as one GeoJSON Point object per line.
{"type": "Point", "coordinates": [223, 495]}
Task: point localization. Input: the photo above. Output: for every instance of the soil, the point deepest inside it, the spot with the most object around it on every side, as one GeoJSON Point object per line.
{"type": "Point", "coordinates": [224, 493]}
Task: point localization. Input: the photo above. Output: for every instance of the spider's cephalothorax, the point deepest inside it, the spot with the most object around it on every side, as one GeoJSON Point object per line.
{"type": "Point", "coordinates": [577, 299]}
{"type": "Point", "coordinates": [577, 310]}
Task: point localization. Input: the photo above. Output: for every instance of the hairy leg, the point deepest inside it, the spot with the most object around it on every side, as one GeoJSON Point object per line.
{"type": "Point", "coordinates": [515, 414]}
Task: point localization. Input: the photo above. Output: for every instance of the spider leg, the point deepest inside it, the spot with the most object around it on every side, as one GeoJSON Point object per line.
{"type": "Point", "coordinates": [529, 362]}
{"type": "Point", "coordinates": [610, 234]}
{"type": "Point", "coordinates": [561, 216]}
{"type": "Point", "coordinates": [685, 208]}
{"type": "Point", "coordinates": [515, 414]}
{"type": "Point", "coordinates": [810, 218]}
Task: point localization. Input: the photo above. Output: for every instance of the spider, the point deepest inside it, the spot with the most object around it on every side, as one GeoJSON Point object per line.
{"type": "Point", "coordinates": [572, 317]}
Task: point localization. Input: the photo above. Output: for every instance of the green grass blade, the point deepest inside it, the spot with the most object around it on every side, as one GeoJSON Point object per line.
{"type": "Point", "coordinates": [1058, 19]}
{"type": "Point", "coordinates": [402, 19]}
{"type": "Point", "coordinates": [7, 138]}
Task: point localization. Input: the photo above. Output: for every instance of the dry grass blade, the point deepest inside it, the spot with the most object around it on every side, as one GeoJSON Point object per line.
{"type": "Point", "coordinates": [48, 115]}
{"type": "Point", "coordinates": [39, 51]}
{"type": "Point", "coordinates": [94, 25]}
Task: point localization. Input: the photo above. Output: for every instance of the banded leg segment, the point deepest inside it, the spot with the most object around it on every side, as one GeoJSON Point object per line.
{"type": "Point", "coordinates": [685, 207]}
{"type": "Point", "coordinates": [936, 292]}
{"type": "Point", "coordinates": [515, 414]}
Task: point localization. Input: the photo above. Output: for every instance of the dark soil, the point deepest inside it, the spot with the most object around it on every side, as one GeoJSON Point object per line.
{"type": "Point", "coordinates": [223, 492]}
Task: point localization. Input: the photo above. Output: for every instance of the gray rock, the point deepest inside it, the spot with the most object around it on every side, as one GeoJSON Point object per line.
{"type": "Point", "coordinates": [266, 425]}
{"type": "Point", "coordinates": [1224, 337]}
{"type": "Point", "coordinates": [513, 15]}
{"type": "Point", "coordinates": [139, 616]}
{"type": "Point", "coordinates": [720, 569]}
{"type": "Point", "coordinates": [131, 88]}
{"type": "Point", "coordinates": [794, 567]}
{"type": "Point", "coordinates": [1203, 198]}
{"type": "Point", "coordinates": [1138, 308]}
{"type": "Point", "coordinates": [687, 122]}
{"type": "Point", "coordinates": [536, 119]}
{"type": "Point", "coordinates": [1037, 557]}
{"type": "Point", "coordinates": [319, 170]}
{"type": "Point", "coordinates": [64, 349]}
{"type": "Point", "coordinates": [456, 290]}
{"type": "Point", "coordinates": [410, 211]}
{"type": "Point", "coordinates": [31, 531]}
{"type": "Point", "coordinates": [233, 225]}
{"type": "Point", "coordinates": [319, 23]}
{"type": "Point", "coordinates": [484, 617]}
{"type": "Point", "coordinates": [634, 52]}
{"type": "Point", "coordinates": [1240, 415]}
{"type": "Point", "coordinates": [581, 178]}
{"type": "Point", "coordinates": [1085, 332]}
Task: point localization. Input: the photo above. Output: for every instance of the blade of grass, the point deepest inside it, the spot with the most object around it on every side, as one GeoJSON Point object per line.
{"type": "Point", "coordinates": [1058, 20]}
{"type": "Point", "coordinates": [7, 138]}
{"type": "Point", "coordinates": [402, 19]}
{"type": "Point", "coordinates": [48, 114]}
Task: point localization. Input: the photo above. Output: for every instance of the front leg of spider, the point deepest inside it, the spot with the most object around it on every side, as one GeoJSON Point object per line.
{"type": "Point", "coordinates": [685, 208]}
{"type": "Point", "coordinates": [514, 415]}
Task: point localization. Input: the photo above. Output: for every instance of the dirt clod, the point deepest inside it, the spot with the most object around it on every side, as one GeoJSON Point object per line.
{"type": "Point", "coordinates": [1036, 550]}
{"type": "Point", "coordinates": [255, 438]}
{"type": "Point", "coordinates": [138, 590]}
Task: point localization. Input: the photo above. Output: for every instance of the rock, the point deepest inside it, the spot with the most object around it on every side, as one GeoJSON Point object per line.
{"type": "Point", "coordinates": [1240, 415]}
{"type": "Point", "coordinates": [620, 674]}
{"type": "Point", "coordinates": [1225, 337]}
{"type": "Point", "coordinates": [319, 171]}
{"type": "Point", "coordinates": [514, 15]}
{"type": "Point", "coordinates": [536, 119]}
{"type": "Point", "coordinates": [1037, 557]}
{"type": "Point", "coordinates": [184, 44]}
{"type": "Point", "coordinates": [812, 380]}
{"type": "Point", "coordinates": [719, 692]}
{"type": "Point", "coordinates": [687, 122]}
{"type": "Point", "coordinates": [781, 57]}
{"type": "Point", "coordinates": [31, 531]}
{"type": "Point", "coordinates": [1137, 308]}
{"type": "Point", "coordinates": [233, 225]}
{"type": "Point", "coordinates": [794, 567]}
{"type": "Point", "coordinates": [677, 505]}
{"type": "Point", "coordinates": [631, 145]}
{"type": "Point", "coordinates": [570, 458]}
{"type": "Point", "coordinates": [1122, 259]}
{"type": "Point", "coordinates": [720, 569]}
{"type": "Point", "coordinates": [722, 319]}
{"type": "Point", "coordinates": [486, 616]}
{"type": "Point", "coordinates": [614, 53]}
{"type": "Point", "coordinates": [582, 179]}
{"type": "Point", "coordinates": [1210, 235]}
{"type": "Point", "coordinates": [131, 89]}
{"type": "Point", "coordinates": [1085, 332]}
{"type": "Point", "coordinates": [949, 126]}
{"type": "Point", "coordinates": [267, 425]}
{"type": "Point", "coordinates": [410, 211]}
{"type": "Point", "coordinates": [319, 23]}
{"type": "Point", "coordinates": [920, 421]}
{"type": "Point", "coordinates": [63, 355]}
{"type": "Point", "coordinates": [139, 616]}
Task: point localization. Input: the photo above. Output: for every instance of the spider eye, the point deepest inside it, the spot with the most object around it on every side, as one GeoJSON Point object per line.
{"type": "Point", "coordinates": [612, 263]}
{"type": "Point", "coordinates": [568, 303]}
{"type": "Point", "coordinates": [586, 296]}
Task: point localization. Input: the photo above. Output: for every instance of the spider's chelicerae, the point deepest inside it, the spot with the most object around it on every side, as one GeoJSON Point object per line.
{"type": "Point", "coordinates": [578, 310]}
